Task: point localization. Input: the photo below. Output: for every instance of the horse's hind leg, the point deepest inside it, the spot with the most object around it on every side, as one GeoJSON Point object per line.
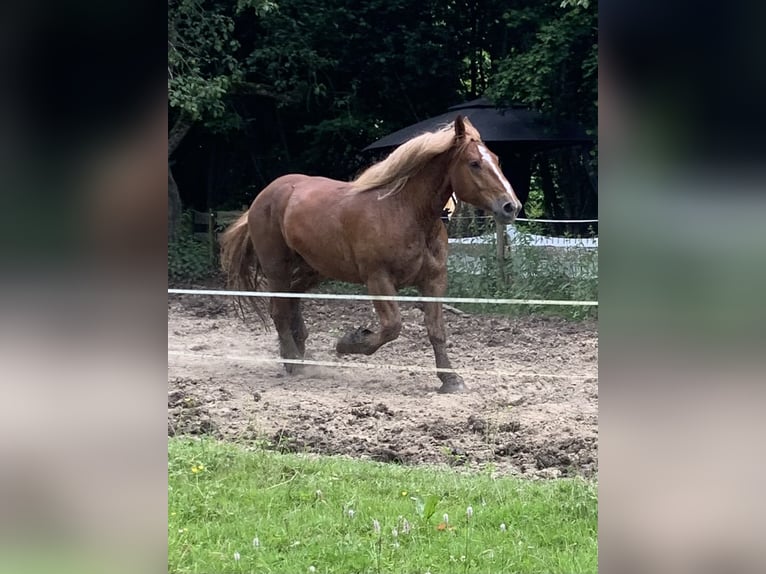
{"type": "Point", "coordinates": [298, 328]}
{"type": "Point", "coordinates": [305, 279]}
{"type": "Point", "coordinates": [282, 313]}
{"type": "Point", "coordinates": [292, 275]}
{"type": "Point", "coordinates": [278, 271]}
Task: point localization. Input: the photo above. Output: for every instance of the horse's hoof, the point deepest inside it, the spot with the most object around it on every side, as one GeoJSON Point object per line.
{"type": "Point", "coordinates": [345, 347]}
{"type": "Point", "coordinates": [455, 385]}
{"type": "Point", "coordinates": [292, 368]}
{"type": "Point", "coordinates": [353, 342]}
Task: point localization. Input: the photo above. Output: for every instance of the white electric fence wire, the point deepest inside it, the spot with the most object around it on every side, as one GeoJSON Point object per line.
{"type": "Point", "coordinates": [399, 298]}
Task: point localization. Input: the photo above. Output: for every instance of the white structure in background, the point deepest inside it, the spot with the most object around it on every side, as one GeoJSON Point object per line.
{"type": "Point", "coordinates": [560, 253]}
{"type": "Point", "coordinates": [531, 239]}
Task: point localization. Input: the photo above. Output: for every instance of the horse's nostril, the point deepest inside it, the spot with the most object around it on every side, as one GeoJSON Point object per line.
{"type": "Point", "coordinates": [508, 207]}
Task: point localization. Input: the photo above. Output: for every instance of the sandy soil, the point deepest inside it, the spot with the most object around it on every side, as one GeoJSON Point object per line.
{"type": "Point", "coordinates": [531, 407]}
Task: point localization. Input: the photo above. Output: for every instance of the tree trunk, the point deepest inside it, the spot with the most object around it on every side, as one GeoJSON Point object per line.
{"type": "Point", "coordinates": [211, 175]}
{"type": "Point", "coordinates": [177, 132]}
{"type": "Point", "coordinates": [550, 201]}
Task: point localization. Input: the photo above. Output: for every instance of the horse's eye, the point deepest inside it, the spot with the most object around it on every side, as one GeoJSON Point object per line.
{"type": "Point", "coordinates": [475, 163]}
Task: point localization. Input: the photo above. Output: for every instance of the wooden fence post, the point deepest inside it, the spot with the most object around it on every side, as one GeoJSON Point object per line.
{"type": "Point", "coordinates": [501, 242]}
{"type": "Point", "coordinates": [211, 225]}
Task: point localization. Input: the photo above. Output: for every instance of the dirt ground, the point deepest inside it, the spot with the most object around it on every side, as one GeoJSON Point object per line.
{"type": "Point", "coordinates": [531, 408]}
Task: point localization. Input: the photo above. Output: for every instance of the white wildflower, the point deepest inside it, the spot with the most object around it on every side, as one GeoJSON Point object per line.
{"type": "Point", "coordinates": [445, 518]}
{"type": "Point", "coordinates": [256, 542]}
{"type": "Point", "coordinates": [236, 556]}
{"type": "Point", "coordinates": [394, 533]}
{"type": "Point", "coordinates": [376, 526]}
{"type": "Point", "coordinates": [351, 513]}
{"type": "Point", "coordinates": [312, 569]}
{"type": "Point", "coordinates": [502, 527]}
{"type": "Point", "coordinates": [318, 493]}
{"type": "Point", "coordinates": [469, 512]}
{"type": "Point", "coordinates": [405, 527]}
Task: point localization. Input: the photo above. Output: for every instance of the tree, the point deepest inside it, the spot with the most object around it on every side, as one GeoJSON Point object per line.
{"type": "Point", "coordinates": [348, 76]}
{"type": "Point", "coordinates": [204, 69]}
{"type": "Point", "coordinates": [553, 68]}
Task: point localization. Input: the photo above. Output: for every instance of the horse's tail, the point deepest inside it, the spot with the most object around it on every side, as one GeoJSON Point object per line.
{"type": "Point", "coordinates": [240, 265]}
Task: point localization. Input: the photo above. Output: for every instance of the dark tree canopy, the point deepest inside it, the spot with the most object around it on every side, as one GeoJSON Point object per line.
{"type": "Point", "coordinates": [269, 87]}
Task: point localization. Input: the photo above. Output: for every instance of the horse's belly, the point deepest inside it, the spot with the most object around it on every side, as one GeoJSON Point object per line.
{"type": "Point", "coordinates": [322, 246]}
{"type": "Point", "coordinates": [329, 263]}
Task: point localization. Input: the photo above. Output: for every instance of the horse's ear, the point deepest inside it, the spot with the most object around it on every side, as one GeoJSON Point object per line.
{"type": "Point", "coordinates": [459, 126]}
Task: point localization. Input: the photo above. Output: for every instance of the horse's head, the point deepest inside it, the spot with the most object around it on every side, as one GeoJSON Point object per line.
{"type": "Point", "coordinates": [476, 176]}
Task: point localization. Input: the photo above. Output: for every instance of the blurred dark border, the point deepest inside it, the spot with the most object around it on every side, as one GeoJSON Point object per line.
{"type": "Point", "coordinates": [681, 261]}
{"type": "Point", "coordinates": [83, 172]}
{"type": "Point", "coordinates": [696, 65]}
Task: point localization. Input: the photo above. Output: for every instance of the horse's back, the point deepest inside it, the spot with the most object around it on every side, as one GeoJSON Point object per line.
{"type": "Point", "coordinates": [280, 191]}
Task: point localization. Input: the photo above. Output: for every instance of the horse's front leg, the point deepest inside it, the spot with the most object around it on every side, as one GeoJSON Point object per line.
{"type": "Point", "coordinates": [451, 382]}
{"type": "Point", "coordinates": [364, 341]}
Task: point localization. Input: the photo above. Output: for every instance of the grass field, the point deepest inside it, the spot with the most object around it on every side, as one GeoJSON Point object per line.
{"type": "Point", "coordinates": [237, 510]}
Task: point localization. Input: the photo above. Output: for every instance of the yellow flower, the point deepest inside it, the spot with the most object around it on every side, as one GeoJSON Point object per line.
{"type": "Point", "coordinates": [404, 493]}
{"type": "Point", "coordinates": [195, 469]}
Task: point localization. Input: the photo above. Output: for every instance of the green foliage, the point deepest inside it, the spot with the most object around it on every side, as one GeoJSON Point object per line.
{"type": "Point", "coordinates": [202, 67]}
{"type": "Point", "coordinates": [533, 207]}
{"type": "Point", "coordinates": [337, 77]}
{"type": "Point", "coordinates": [188, 257]}
{"type": "Point", "coordinates": [285, 52]}
{"type": "Point", "coordinates": [205, 64]}
{"type": "Point", "coordinates": [334, 144]}
{"type": "Point", "coordinates": [189, 260]}
{"type": "Point", "coordinates": [430, 506]}
{"type": "Point", "coordinates": [529, 272]}
{"type": "Point", "coordinates": [288, 513]}
{"type": "Point", "coordinates": [554, 68]}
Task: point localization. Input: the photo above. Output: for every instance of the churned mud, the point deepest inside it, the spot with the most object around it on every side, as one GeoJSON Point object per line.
{"type": "Point", "coordinates": [531, 407]}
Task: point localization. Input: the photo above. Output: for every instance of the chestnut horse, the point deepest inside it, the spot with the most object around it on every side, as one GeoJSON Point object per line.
{"type": "Point", "coordinates": [383, 230]}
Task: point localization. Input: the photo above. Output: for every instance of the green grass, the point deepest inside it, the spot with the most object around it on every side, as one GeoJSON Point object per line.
{"type": "Point", "coordinates": [529, 272]}
{"type": "Point", "coordinates": [222, 496]}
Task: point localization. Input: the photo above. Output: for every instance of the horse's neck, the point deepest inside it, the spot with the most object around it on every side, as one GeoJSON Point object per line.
{"type": "Point", "coordinates": [430, 189]}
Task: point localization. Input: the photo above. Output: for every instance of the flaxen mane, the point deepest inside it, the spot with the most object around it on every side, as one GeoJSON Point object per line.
{"type": "Point", "coordinates": [405, 161]}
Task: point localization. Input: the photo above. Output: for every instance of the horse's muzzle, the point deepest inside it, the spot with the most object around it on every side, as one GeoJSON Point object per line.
{"type": "Point", "coordinates": [506, 211]}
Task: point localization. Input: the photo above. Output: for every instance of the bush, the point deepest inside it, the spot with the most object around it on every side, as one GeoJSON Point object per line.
{"type": "Point", "coordinates": [188, 257]}
{"type": "Point", "coordinates": [531, 272]}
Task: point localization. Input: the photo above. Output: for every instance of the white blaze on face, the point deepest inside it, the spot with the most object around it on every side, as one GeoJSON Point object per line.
{"type": "Point", "coordinates": [506, 184]}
